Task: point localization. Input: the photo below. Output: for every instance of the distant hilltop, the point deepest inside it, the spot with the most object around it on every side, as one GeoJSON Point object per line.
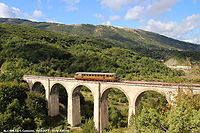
{"type": "Point", "coordinates": [127, 37]}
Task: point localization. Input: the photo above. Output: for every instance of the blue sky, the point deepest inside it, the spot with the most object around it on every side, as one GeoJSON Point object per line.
{"type": "Point", "coordinates": [178, 19]}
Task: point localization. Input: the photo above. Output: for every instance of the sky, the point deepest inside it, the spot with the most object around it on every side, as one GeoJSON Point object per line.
{"type": "Point", "coordinates": [178, 19]}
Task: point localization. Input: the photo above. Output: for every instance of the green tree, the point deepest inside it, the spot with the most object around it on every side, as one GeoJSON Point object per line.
{"type": "Point", "coordinates": [148, 121]}
{"type": "Point", "coordinates": [37, 107]}
{"type": "Point", "coordinates": [89, 127]}
{"type": "Point", "coordinates": [184, 116]}
{"type": "Point", "coordinates": [11, 118]}
{"type": "Point", "coordinates": [10, 91]}
{"type": "Point", "coordinates": [184, 119]}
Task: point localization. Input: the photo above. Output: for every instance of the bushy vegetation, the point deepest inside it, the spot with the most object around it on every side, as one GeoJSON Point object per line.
{"type": "Point", "coordinates": [21, 109]}
{"type": "Point", "coordinates": [181, 117]}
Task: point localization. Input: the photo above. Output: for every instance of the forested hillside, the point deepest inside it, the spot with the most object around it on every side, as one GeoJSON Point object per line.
{"type": "Point", "coordinates": [145, 43]}
{"type": "Point", "coordinates": [26, 50]}
{"type": "Point", "coordinates": [33, 51]}
{"type": "Point", "coordinates": [120, 36]}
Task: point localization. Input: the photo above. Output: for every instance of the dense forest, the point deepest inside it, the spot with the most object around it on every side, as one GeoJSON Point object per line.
{"type": "Point", "coordinates": [25, 50]}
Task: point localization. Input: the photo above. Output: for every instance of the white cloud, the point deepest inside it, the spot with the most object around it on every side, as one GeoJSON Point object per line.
{"type": "Point", "coordinates": [6, 12]}
{"type": "Point", "coordinates": [20, 14]}
{"type": "Point", "coordinates": [115, 17]}
{"type": "Point", "coordinates": [159, 8]}
{"type": "Point", "coordinates": [52, 21]}
{"type": "Point", "coordinates": [13, 12]}
{"type": "Point", "coordinates": [156, 9]}
{"type": "Point", "coordinates": [135, 13]}
{"type": "Point", "coordinates": [70, 4]}
{"type": "Point", "coordinates": [38, 14]}
{"type": "Point", "coordinates": [181, 31]}
{"type": "Point", "coordinates": [71, 8]}
{"type": "Point", "coordinates": [194, 40]}
{"type": "Point", "coordinates": [115, 4]}
{"type": "Point", "coordinates": [16, 11]}
{"type": "Point", "coordinates": [99, 16]}
{"type": "Point", "coordinates": [106, 23]}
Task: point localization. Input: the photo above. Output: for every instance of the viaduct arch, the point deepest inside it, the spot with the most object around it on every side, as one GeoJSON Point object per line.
{"type": "Point", "coordinates": [104, 105]}
{"type": "Point", "coordinates": [38, 87]}
{"type": "Point", "coordinates": [132, 90]}
{"type": "Point", "coordinates": [138, 96]}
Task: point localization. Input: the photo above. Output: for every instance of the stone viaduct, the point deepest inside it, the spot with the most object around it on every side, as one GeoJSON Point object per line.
{"type": "Point", "coordinates": [132, 89]}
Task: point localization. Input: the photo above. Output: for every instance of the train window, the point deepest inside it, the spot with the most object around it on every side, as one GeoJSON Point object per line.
{"type": "Point", "coordinates": [89, 74]}
{"type": "Point", "coordinates": [79, 74]}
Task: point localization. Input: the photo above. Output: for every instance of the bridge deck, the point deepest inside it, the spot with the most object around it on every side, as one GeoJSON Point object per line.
{"type": "Point", "coordinates": [138, 83]}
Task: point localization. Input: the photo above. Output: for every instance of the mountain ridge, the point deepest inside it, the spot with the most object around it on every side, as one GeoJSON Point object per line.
{"type": "Point", "coordinates": [127, 37]}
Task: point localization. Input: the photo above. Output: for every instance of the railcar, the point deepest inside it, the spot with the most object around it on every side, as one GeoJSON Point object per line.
{"type": "Point", "coordinates": [111, 77]}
